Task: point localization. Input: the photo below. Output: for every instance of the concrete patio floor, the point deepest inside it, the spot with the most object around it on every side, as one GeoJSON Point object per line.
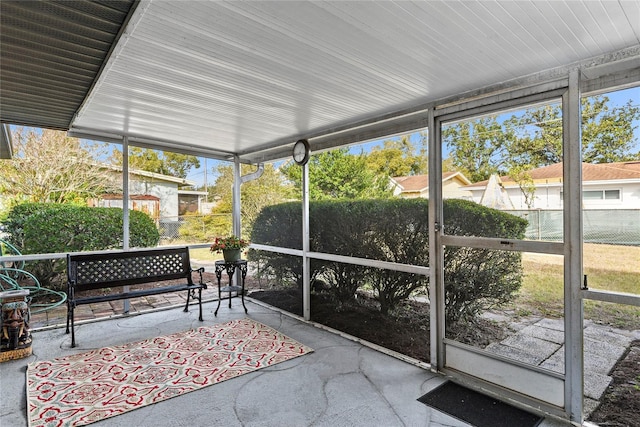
{"type": "Point", "coordinates": [342, 383]}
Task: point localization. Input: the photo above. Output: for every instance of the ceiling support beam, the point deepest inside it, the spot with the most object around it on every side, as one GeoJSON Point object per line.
{"type": "Point", "coordinates": [152, 144]}
{"type": "Point", "coordinates": [6, 149]}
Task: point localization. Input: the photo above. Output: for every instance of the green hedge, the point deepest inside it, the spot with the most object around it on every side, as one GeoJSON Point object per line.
{"type": "Point", "coordinates": [361, 228]}
{"type": "Point", "coordinates": [394, 230]}
{"type": "Point", "coordinates": [56, 228]}
{"type": "Point", "coordinates": [479, 279]}
{"type": "Point", "coordinates": [279, 225]}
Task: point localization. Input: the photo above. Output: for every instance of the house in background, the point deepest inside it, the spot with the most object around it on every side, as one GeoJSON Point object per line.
{"type": "Point", "coordinates": [137, 202]}
{"type": "Point", "coordinates": [604, 186]}
{"type": "Point", "coordinates": [417, 186]}
{"type": "Point", "coordinates": [160, 196]}
{"type": "Point", "coordinates": [191, 202]}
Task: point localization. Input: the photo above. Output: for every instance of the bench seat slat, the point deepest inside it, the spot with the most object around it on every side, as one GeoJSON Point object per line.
{"type": "Point", "coordinates": [136, 294]}
{"type": "Point", "coordinates": [97, 283]}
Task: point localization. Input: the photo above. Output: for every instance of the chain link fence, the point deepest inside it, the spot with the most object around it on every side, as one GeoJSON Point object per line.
{"type": "Point", "coordinates": [193, 228]}
{"type": "Point", "coordinates": [611, 226]}
{"type": "Point", "coordinates": [170, 229]}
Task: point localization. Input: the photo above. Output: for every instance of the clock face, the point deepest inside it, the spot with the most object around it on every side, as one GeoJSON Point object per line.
{"type": "Point", "coordinates": [301, 152]}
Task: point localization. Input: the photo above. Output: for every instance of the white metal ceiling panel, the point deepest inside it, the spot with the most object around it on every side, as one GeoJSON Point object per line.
{"type": "Point", "coordinates": [236, 77]}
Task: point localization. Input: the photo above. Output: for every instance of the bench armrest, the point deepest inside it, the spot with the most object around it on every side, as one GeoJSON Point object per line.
{"type": "Point", "coordinates": [200, 271]}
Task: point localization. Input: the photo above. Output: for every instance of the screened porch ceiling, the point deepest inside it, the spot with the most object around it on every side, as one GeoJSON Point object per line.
{"type": "Point", "coordinates": [250, 78]}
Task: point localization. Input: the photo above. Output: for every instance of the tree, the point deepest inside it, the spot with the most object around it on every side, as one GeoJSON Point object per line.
{"type": "Point", "coordinates": [399, 157]}
{"type": "Point", "coordinates": [162, 162]}
{"type": "Point", "coordinates": [533, 139]}
{"type": "Point", "coordinates": [50, 167]}
{"type": "Point", "coordinates": [478, 148]}
{"type": "Point", "coordinates": [267, 190]}
{"type": "Point", "coordinates": [448, 166]}
{"type": "Point", "coordinates": [176, 164]}
{"type": "Point", "coordinates": [607, 133]}
{"type": "Point", "coordinates": [337, 174]}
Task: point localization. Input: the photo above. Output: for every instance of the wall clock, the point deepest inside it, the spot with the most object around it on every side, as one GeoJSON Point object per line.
{"type": "Point", "coordinates": [301, 152]}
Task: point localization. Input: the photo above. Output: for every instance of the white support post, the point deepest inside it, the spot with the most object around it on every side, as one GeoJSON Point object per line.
{"type": "Point", "coordinates": [236, 215]}
{"type": "Point", "coordinates": [573, 310]}
{"type": "Point", "coordinates": [436, 252]}
{"type": "Point", "coordinates": [125, 193]}
{"type": "Point", "coordinates": [125, 208]}
{"type": "Point", "coordinates": [306, 262]}
{"type": "Point", "coordinates": [236, 210]}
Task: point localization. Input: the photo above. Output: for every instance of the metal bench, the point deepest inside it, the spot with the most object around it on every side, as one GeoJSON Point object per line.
{"type": "Point", "coordinates": [112, 271]}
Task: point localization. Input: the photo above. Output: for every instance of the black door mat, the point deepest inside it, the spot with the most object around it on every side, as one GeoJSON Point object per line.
{"type": "Point", "coordinates": [477, 409]}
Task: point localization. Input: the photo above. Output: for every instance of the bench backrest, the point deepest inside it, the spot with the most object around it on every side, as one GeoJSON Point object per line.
{"type": "Point", "coordinates": [96, 271]}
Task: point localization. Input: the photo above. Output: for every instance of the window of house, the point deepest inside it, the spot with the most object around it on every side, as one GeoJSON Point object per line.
{"type": "Point", "coordinates": [598, 195]}
{"type": "Point", "coordinates": [592, 195]}
{"type": "Point", "coordinates": [612, 194]}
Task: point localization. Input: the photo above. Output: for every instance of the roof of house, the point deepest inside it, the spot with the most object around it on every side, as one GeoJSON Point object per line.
{"type": "Point", "coordinates": [590, 172]}
{"type": "Point", "coordinates": [412, 182]}
{"type": "Point", "coordinates": [417, 183]}
{"type": "Point", "coordinates": [192, 193]}
{"type": "Point", "coordinates": [153, 175]}
{"type": "Point", "coordinates": [113, 196]}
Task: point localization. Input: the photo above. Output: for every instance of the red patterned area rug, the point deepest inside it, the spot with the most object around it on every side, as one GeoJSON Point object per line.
{"type": "Point", "coordinates": [84, 388]}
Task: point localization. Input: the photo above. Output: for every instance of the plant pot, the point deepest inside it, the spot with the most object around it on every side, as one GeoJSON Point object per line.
{"type": "Point", "coordinates": [231, 255]}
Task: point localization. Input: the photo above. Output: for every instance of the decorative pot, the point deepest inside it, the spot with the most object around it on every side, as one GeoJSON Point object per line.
{"type": "Point", "coordinates": [231, 255]}
{"type": "Point", "coordinates": [15, 337]}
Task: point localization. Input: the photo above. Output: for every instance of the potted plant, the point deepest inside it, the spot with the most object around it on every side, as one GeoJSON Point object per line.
{"type": "Point", "coordinates": [230, 246]}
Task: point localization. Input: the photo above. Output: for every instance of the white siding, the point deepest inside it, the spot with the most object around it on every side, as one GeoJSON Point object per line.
{"type": "Point", "coordinates": [167, 193]}
{"type": "Point", "coordinates": [550, 197]}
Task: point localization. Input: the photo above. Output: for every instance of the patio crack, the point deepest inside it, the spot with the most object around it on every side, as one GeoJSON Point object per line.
{"type": "Point", "coordinates": [375, 386]}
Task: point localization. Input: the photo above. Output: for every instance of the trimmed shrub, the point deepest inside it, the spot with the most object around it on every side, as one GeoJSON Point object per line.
{"type": "Point", "coordinates": [16, 218]}
{"type": "Point", "coordinates": [395, 230]}
{"type": "Point", "coordinates": [479, 279]}
{"type": "Point", "coordinates": [37, 228]}
{"type": "Point", "coordinates": [392, 230]}
{"type": "Point", "coordinates": [279, 225]}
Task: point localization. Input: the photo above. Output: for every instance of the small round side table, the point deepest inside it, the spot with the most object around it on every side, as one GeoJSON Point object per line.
{"type": "Point", "coordinates": [230, 267]}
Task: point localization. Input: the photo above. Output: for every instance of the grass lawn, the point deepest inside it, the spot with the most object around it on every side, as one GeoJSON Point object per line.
{"type": "Point", "coordinates": [204, 254]}
{"type": "Point", "coordinates": [608, 267]}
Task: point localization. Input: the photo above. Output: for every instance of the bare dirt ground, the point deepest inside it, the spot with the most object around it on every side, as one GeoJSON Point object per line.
{"type": "Point", "coordinates": [620, 405]}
